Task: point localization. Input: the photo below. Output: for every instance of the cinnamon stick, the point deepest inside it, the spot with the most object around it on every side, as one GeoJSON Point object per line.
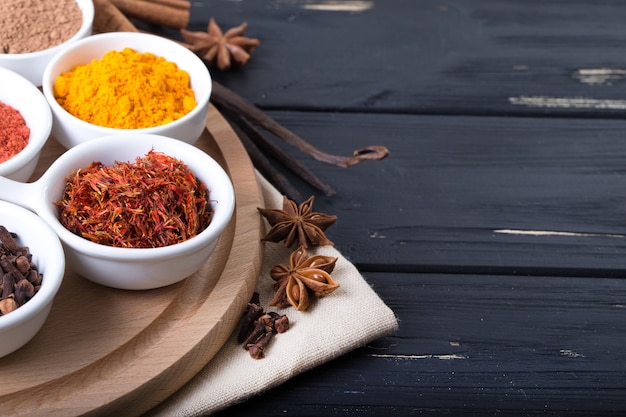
{"type": "Point", "coordinates": [155, 13]}
{"type": "Point", "coordinates": [179, 4]}
{"type": "Point", "coordinates": [109, 18]}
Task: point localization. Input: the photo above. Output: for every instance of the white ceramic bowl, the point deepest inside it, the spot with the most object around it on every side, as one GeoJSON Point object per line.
{"type": "Point", "coordinates": [128, 268]}
{"type": "Point", "coordinates": [17, 92]}
{"type": "Point", "coordinates": [70, 130]}
{"type": "Point", "coordinates": [21, 325]}
{"type": "Point", "coordinates": [32, 65]}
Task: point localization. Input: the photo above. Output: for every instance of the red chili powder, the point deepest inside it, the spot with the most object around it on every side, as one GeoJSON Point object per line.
{"type": "Point", "coordinates": [14, 134]}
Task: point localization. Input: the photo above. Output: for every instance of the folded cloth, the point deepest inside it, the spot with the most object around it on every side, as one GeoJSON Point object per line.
{"type": "Point", "coordinates": [348, 318]}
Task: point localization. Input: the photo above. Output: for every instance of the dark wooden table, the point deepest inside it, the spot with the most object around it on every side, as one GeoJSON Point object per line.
{"type": "Point", "coordinates": [496, 227]}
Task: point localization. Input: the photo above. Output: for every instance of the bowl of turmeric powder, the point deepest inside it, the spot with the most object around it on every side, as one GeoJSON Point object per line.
{"type": "Point", "coordinates": [30, 36]}
{"type": "Point", "coordinates": [115, 83]}
{"type": "Point", "coordinates": [25, 125]}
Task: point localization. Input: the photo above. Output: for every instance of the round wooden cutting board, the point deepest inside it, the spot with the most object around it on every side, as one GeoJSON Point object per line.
{"type": "Point", "coordinates": [105, 351]}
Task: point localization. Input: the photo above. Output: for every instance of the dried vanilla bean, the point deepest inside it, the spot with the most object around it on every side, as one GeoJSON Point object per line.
{"type": "Point", "coordinates": [265, 167]}
{"type": "Point", "coordinates": [295, 166]}
{"type": "Point", "coordinates": [233, 103]}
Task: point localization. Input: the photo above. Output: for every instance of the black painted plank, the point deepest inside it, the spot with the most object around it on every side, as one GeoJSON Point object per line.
{"type": "Point", "coordinates": [523, 57]}
{"type": "Point", "coordinates": [468, 345]}
{"type": "Point", "coordinates": [453, 186]}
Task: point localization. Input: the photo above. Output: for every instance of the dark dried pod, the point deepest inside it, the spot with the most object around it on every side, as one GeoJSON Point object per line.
{"type": "Point", "coordinates": [22, 264]}
{"type": "Point", "coordinates": [7, 305]}
{"type": "Point", "coordinates": [8, 240]}
{"type": "Point", "coordinates": [34, 277]}
{"type": "Point", "coordinates": [24, 291]}
{"type": "Point", "coordinates": [8, 284]}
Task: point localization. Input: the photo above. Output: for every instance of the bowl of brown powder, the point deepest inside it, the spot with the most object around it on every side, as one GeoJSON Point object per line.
{"type": "Point", "coordinates": [33, 31]}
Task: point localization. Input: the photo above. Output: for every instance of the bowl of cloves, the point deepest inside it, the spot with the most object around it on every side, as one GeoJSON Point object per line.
{"type": "Point", "coordinates": [32, 267]}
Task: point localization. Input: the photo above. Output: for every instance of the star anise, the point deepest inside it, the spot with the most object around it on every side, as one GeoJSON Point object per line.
{"type": "Point", "coordinates": [221, 49]}
{"type": "Point", "coordinates": [297, 224]}
{"type": "Point", "coordinates": [304, 276]}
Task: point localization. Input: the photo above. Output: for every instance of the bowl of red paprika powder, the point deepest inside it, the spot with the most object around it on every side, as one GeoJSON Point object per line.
{"type": "Point", "coordinates": [122, 82]}
{"type": "Point", "coordinates": [31, 36]}
{"type": "Point", "coordinates": [25, 124]}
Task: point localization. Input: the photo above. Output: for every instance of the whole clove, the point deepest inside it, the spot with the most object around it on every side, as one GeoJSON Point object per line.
{"type": "Point", "coordinates": [258, 328]}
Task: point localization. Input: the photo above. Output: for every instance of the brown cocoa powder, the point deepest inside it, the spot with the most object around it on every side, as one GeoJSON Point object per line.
{"type": "Point", "coordinates": [35, 25]}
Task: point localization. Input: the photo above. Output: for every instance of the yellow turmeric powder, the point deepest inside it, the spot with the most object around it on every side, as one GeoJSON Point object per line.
{"type": "Point", "coordinates": [126, 89]}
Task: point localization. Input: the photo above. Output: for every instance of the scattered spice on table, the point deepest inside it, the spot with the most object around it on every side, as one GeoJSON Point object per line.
{"type": "Point", "coordinates": [221, 49]}
{"type": "Point", "coordinates": [155, 201]}
{"type": "Point", "coordinates": [34, 25]}
{"type": "Point", "coordinates": [126, 89]}
{"type": "Point", "coordinates": [303, 277]}
{"type": "Point", "coordinates": [258, 327]}
{"type": "Point", "coordinates": [14, 132]}
{"type": "Point", "coordinates": [297, 224]}
{"type": "Point", "coordinates": [20, 279]}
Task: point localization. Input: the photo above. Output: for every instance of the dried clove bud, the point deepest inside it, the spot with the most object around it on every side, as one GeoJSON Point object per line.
{"type": "Point", "coordinates": [8, 241]}
{"type": "Point", "coordinates": [253, 312]}
{"type": "Point", "coordinates": [24, 291]}
{"type": "Point", "coordinates": [259, 330]}
{"type": "Point", "coordinates": [7, 305]}
{"type": "Point", "coordinates": [34, 277]}
{"type": "Point", "coordinates": [22, 264]}
{"type": "Point", "coordinates": [259, 327]}
{"type": "Point", "coordinates": [257, 350]}
{"type": "Point", "coordinates": [8, 284]}
{"type": "Point", "coordinates": [19, 278]}
{"type": "Point", "coordinates": [281, 322]}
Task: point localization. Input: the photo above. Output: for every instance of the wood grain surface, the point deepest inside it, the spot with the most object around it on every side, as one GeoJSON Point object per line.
{"type": "Point", "coordinates": [495, 229]}
{"type": "Point", "coordinates": [105, 351]}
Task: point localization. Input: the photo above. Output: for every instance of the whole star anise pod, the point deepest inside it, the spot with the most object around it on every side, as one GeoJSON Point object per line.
{"type": "Point", "coordinates": [221, 49]}
{"type": "Point", "coordinates": [304, 276]}
{"type": "Point", "coordinates": [297, 224]}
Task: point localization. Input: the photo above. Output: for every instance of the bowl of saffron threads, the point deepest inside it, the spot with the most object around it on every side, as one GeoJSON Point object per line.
{"type": "Point", "coordinates": [123, 82]}
{"type": "Point", "coordinates": [32, 32]}
{"type": "Point", "coordinates": [25, 125]}
{"type": "Point", "coordinates": [133, 211]}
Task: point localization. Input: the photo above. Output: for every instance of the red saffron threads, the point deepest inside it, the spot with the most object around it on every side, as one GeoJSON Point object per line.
{"type": "Point", "coordinates": [156, 201]}
{"type": "Point", "coordinates": [14, 133]}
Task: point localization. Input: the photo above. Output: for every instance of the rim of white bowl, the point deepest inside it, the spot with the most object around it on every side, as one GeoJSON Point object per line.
{"type": "Point", "coordinates": [44, 114]}
{"type": "Point", "coordinates": [48, 81]}
{"type": "Point", "coordinates": [53, 272]}
{"type": "Point", "coordinates": [196, 159]}
{"type": "Point", "coordinates": [88, 11]}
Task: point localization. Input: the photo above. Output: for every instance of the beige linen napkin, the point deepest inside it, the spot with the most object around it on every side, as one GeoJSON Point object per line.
{"type": "Point", "coordinates": [348, 318]}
